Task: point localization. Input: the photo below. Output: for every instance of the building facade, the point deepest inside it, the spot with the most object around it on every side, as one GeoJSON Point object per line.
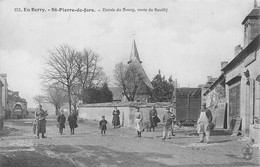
{"type": "Point", "coordinates": [240, 79]}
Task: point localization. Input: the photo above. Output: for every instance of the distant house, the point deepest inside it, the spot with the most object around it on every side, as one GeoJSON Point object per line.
{"type": "Point", "coordinates": [12, 98]}
{"type": "Point", "coordinates": [205, 86]}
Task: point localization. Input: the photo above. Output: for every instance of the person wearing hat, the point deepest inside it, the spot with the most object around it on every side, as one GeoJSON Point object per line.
{"type": "Point", "coordinates": [138, 122]}
{"type": "Point", "coordinates": [203, 122]}
{"type": "Point", "coordinates": [167, 123]}
{"type": "Point", "coordinates": [103, 125]}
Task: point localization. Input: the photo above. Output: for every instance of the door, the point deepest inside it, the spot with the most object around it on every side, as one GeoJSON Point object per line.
{"type": "Point", "coordinates": [188, 103]}
{"type": "Point", "coordinates": [234, 105]}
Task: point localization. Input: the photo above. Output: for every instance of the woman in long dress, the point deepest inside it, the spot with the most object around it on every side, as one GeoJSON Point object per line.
{"type": "Point", "coordinates": [116, 118]}
{"type": "Point", "coordinates": [138, 123]}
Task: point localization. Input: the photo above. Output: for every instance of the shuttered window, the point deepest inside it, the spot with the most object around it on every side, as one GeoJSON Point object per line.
{"type": "Point", "coordinates": [234, 102]}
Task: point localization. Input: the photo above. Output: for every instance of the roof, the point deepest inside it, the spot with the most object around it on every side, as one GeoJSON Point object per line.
{"type": "Point", "coordinates": [220, 79]}
{"type": "Point", "coordinates": [212, 80]}
{"type": "Point", "coordinates": [187, 91]}
{"type": "Point", "coordinates": [254, 14]}
{"type": "Point", "coordinates": [134, 53]}
{"type": "Point", "coordinates": [117, 93]}
{"type": "Point", "coordinates": [254, 45]}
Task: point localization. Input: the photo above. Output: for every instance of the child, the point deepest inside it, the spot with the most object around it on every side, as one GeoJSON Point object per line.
{"type": "Point", "coordinates": [103, 126]}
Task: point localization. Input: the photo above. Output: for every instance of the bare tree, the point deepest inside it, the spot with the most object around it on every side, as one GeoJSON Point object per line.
{"type": "Point", "coordinates": [61, 67]}
{"type": "Point", "coordinates": [55, 95]}
{"type": "Point", "coordinates": [89, 73]}
{"type": "Point", "coordinates": [38, 99]}
{"type": "Point", "coordinates": [129, 80]}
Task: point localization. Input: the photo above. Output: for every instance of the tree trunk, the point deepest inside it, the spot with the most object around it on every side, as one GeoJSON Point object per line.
{"type": "Point", "coordinates": [74, 107]}
{"type": "Point", "coordinates": [69, 96]}
{"type": "Point", "coordinates": [56, 110]}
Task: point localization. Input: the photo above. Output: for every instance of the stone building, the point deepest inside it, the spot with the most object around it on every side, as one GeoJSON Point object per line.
{"type": "Point", "coordinates": [1, 104]}
{"type": "Point", "coordinates": [12, 98]}
{"type": "Point", "coordinates": [215, 98]}
{"type": "Point", "coordinates": [241, 80]}
{"type": "Point", "coordinates": [204, 87]}
{"type": "Point", "coordinates": [3, 79]}
{"type": "Point", "coordinates": [136, 63]}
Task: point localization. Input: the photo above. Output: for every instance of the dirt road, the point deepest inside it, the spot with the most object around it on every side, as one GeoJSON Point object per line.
{"type": "Point", "coordinates": [20, 148]}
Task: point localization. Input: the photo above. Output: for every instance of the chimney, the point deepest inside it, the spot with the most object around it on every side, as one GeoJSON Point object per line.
{"type": "Point", "coordinates": [223, 64]}
{"type": "Point", "coordinates": [238, 49]}
{"type": "Point", "coordinates": [209, 78]}
{"type": "Point", "coordinates": [3, 75]}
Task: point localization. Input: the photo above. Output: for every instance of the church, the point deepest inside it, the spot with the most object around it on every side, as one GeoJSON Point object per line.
{"type": "Point", "coordinates": [143, 94]}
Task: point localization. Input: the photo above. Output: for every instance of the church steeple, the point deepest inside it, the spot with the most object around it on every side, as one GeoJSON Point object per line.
{"type": "Point", "coordinates": [134, 53]}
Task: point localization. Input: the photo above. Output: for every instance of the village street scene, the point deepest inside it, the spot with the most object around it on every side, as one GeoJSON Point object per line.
{"type": "Point", "coordinates": [130, 83]}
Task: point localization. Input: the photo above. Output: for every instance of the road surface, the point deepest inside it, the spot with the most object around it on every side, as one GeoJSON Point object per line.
{"type": "Point", "coordinates": [120, 147]}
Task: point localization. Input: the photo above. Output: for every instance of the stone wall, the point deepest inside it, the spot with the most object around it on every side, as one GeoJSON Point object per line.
{"type": "Point", "coordinates": [94, 112]}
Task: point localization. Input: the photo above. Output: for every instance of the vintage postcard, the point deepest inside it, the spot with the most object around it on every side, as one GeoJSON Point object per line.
{"type": "Point", "coordinates": [129, 83]}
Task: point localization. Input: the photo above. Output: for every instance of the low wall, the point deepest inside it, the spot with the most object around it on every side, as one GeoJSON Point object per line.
{"type": "Point", "coordinates": [95, 111]}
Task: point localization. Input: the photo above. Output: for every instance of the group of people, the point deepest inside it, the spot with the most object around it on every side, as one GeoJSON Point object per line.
{"type": "Point", "coordinates": [39, 123]}
{"type": "Point", "coordinates": [72, 119]}
{"type": "Point", "coordinates": [204, 123]}
{"type": "Point", "coordinates": [168, 120]}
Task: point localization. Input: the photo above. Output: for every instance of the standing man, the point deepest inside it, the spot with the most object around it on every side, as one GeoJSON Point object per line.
{"type": "Point", "coordinates": [152, 116]}
{"type": "Point", "coordinates": [167, 123]}
{"type": "Point", "coordinates": [61, 120]}
{"type": "Point", "coordinates": [116, 118]}
{"type": "Point", "coordinates": [138, 122]}
{"type": "Point", "coordinates": [41, 121]}
{"type": "Point", "coordinates": [202, 124]}
{"type": "Point", "coordinates": [72, 119]}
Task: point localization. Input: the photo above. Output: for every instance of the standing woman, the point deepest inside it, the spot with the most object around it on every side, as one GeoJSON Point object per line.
{"type": "Point", "coordinates": [138, 123]}
{"type": "Point", "coordinates": [116, 118]}
{"type": "Point", "coordinates": [72, 119]}
{"type": "Point", "coordinates": [61, 120]}
{"type": "Point", "coordinates": [41, 121]}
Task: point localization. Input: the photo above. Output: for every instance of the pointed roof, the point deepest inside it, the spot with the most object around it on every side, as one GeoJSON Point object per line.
{"type": "Point", "coordinates": [134, 53]}
{"type": "Point", "coordinates": [254, 14]}
{"type": "Point", "coordinates": [136, 63]}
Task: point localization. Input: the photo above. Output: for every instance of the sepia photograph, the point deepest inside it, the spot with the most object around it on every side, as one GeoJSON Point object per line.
{"type": "Point", "coordinates": [129, 83]}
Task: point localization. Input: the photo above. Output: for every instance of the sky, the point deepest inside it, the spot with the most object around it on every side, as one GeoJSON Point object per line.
{"type": "Point", "coordinates": [187, 39]}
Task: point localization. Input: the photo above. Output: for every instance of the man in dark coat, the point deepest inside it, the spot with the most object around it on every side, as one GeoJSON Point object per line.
{"type": "Point", "coordinates": [72, 119]}
{"type": "Point", "coordinates": [116, 118]}
{"type": "Point", "coordinates": [61, 120]}
{"type": "Point", "coordinates": [41, 121]}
